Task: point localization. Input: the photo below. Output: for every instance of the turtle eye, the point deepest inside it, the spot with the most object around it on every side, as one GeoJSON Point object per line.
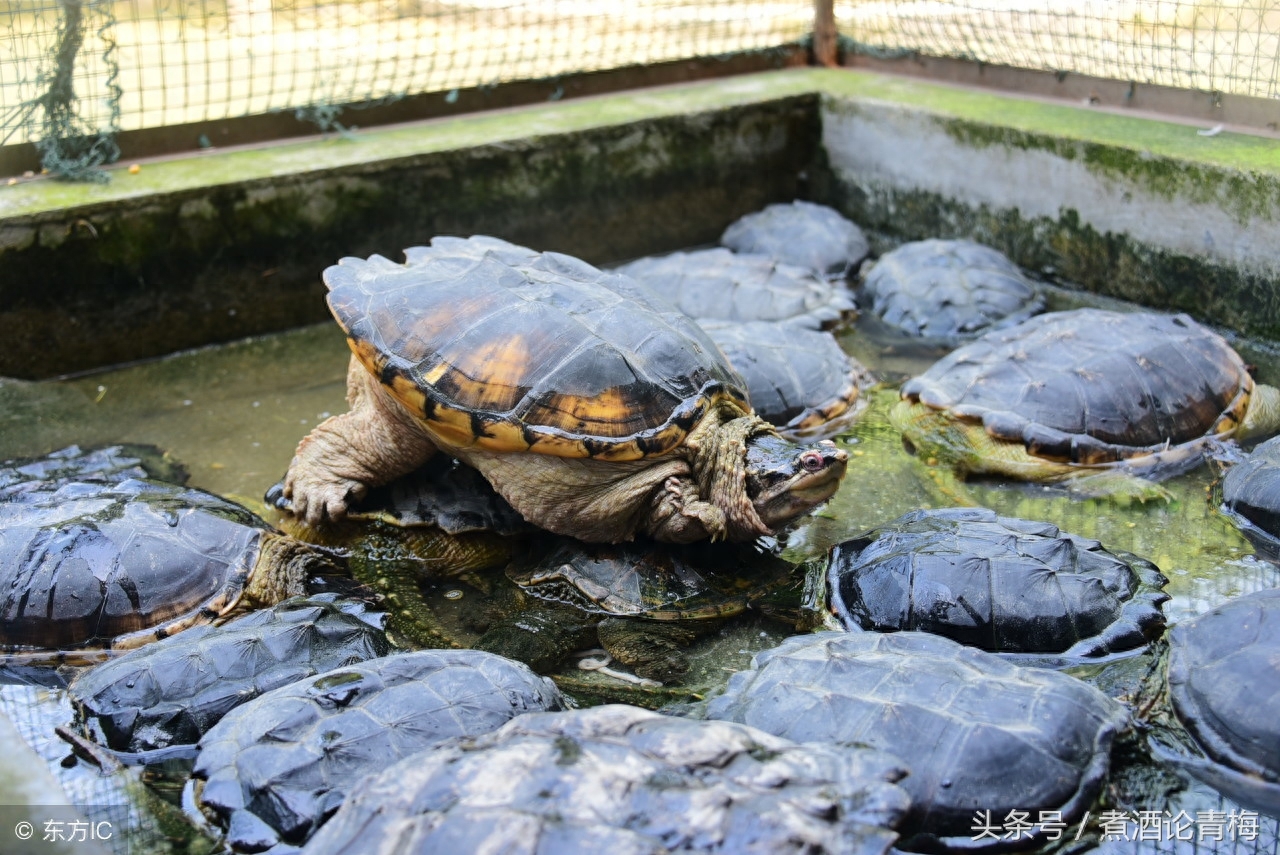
{"type": "Point", "coordinates": [812, 461]}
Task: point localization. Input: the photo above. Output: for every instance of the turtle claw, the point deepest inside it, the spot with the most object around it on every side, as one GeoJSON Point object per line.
{"type": "Point", "coordinates": [320, 503]}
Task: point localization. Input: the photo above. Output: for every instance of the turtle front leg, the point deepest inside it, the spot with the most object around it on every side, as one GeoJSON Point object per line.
{"type": "Point", "coordinates": [680, 515]}
{"type": "Point", "coordinates": [376, 441]}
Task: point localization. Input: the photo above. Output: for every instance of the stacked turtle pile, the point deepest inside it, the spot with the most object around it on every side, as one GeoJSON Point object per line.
{"type": "Point", "coordinates": [767, 298]}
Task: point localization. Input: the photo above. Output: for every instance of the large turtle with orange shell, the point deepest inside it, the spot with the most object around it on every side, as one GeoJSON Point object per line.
{"type": "Point", "coordinates": [594, 407]}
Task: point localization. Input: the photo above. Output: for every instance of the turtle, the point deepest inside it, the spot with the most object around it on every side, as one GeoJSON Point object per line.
{"type": "Point", "coordinates": [804, 234]}
{"type": "Point", "coordinates": [718, 284]}
{"type": "Point", "coordinates": [89, 569]}
{"type": "Point", "coordinates": [643, 603]}
{"type": "Point", "coordinates": [1005, 585]}
{"type": "Point", "coordinates": [619, 779]}
{"type": "Point", "coordinates": [443, 494]}
{"type": "Point", "coordinates": [1251, 497]}
{"type": "Point", "coordinates": [108, 464]}
{"type": "Point", "coordinates": [1104, 402]}
{"type": "Point", "coordinates": [799, 380]}
{"type": "Point", "coordinates": [980, 734]}
{"type": "Point", "coordinates": [594, 408]}
{"type": "Point", "coordinates": [166, 695]}
{"type": "Point", "coordinates": [1212, 700]}
{"type": "Point", "coordinates": [949, 290]}
{"type": "Point", "coordinates": [441, 521]}
{"type": "Point", "coordinates": [275, 768]}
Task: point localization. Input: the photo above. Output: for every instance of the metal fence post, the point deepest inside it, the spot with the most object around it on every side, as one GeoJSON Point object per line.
{"type": "Point", "coordinates": [824, 33]}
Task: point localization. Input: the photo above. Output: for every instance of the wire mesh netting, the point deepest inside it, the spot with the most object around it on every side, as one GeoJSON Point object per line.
{"type": "Point", "coordinates": [75, 72]}
{"type": "Point", "coordinates": [1228, 46]}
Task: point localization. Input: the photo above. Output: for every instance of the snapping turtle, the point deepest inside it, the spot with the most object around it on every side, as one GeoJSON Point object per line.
{"type": "Point", "coordinates": [645, 604]}
{"type": "Point", "coordinates": [811, 236]}
{"type": "Point", "coordinates": [107, 465]}
{"type": "Point", "coordinates": [717, 284]}
{"type": "Point", "coordinates": [91, 568]}
{"type": "Point", "coordinates": [275, 768]}
{"type": "Point", "coordinates": [979, 734]}
{"type": "Point", "coordinates": [1088, 397]}
{"type": "Point", "coordinates": [1214, 700]}
{"type": "Point", "coordinates": [593, 407]}
{"type": "Point", "coordinates": [171, 692]}
{"type": "Point", "coordinates": [798, 379]}
{"type": "Point", "coordinates": [1002, 584]}
{"type": "Point", "coordinates": [623, 780]}
{"type": "Point", "coordinates": [1251, 497]}
{"type": "Point", "coordinates": [949, 289]}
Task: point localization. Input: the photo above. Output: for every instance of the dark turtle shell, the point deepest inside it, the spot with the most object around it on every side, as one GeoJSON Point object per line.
{"type": "Point", "coordinates": [999, 583]}
{"type": "Point", "coordinates": [1224, 686]}
{"type": "Point", "coordinates": [113, 565]}
{"type": "Point", "coordinates": [623, 780]}
{"type": "Point", "coordinates": [978, 732]}
{"type": "Point", "coordinates": [108, 465]}
{"type": "Point", "coordinates": [443, 494]}
{"type": "Point", "coordinates": [1251, 497]}
{"type": "Point", "coordinates": [1091, 386]}
{"type": "Point", "coordinates": [798, 379]}
{"type": "Point", "coordinates": [948, 289]}
{"type": "Point", "coordinates": [803, 234]}
{"type": "Point", "coordinates": [502, 348]}
{"type": "Point", "coordinates": [653, 581]}
{"type": "Point", "coordinates": [171, 692]}
{"type": "Point", "coordinates": [278, 766]}
{"type": "Point", "coordinates": [716, 284]}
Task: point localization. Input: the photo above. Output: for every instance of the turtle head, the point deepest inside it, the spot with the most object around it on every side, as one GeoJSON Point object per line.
{"type": "Point", "coordinates": [785, 480]}
{"type": "Point", "coordinates": [1263, 416]}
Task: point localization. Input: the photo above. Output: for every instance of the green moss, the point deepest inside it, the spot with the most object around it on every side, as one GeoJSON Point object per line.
{"type": "Point", "coordinates": [1246, 195]}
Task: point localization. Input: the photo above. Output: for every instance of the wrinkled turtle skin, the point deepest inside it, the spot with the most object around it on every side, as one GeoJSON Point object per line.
{"type": "Point", "coordinates": [977, 732]}
{"type": "Point", "coordinates": [621, 780]}
{"type": "Point", "coordinates": [717, 284]}
{"type": "Point", "coordinates": [107, 465]}
{"type": "Point", "coordinates": [274, 769]}
{"type": "Point", "coordinates": [591, 405]}
{"type": "Point", "coordinates": [1251, 497]}
{"type": "Point", "coordinates": [171, 692]}
{"type": "Point", "coordinates": [1002, 584]}
{"type": "Point", "coordinates": [1214, 706]}
{"type": "Point", "coordinates": [1090, 398]}
{"type": "Point", "coordinates": [803, 234]}
{"type": "Point", "coordinates": [799, 380]}
{"type": "Point", "coordinates": [91, 568]}
{"type": "Point", "coordinates": [643, 603]}
{"type": "Point", "coordinates": [948, 290]}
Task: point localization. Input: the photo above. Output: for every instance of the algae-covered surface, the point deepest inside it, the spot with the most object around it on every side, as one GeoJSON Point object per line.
{"type": "Point", "coordinates": [233, 415]}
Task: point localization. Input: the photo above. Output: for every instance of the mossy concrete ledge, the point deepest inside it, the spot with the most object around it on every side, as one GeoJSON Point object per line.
{"type": "Point", "coordinates": [228, 244]}
{"type": "Point", "coordinates": [1153, 212]}
{"type": "Point", "coordinates": [209, 249]}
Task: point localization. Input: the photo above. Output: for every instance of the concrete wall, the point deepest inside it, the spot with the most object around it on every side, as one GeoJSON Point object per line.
{"type": "Point", "coordinates": [187, 252]}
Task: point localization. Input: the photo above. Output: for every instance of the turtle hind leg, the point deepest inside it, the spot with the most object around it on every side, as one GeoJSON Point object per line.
{"type": "Point", "coordinates": [653, 649]}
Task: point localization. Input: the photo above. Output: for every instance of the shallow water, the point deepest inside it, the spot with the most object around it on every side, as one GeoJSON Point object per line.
{"type": "Point", "coordinates": [233, 415]}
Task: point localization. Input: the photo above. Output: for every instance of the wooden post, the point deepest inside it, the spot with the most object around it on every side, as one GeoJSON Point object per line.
{"type": "Point", "coordinates": [824, 33]}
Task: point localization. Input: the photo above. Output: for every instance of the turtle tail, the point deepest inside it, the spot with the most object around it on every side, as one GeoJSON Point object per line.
{"type": "Point", "coordinates": [1263, 415]}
